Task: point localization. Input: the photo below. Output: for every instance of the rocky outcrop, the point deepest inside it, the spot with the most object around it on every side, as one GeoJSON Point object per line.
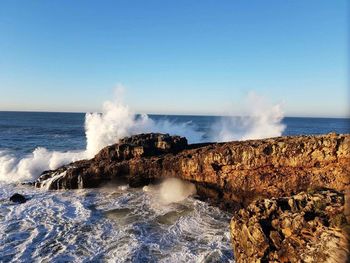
{"type": "Point", "coordinates": [307, 227]}
{"type": "Point", "coordinates": [233, 172]}
{"type": "Point", "coordinates": [142, 145]}
{"type": "Point", "coordinates": [113, 162]}
{"type": "Point", "coordinates": [18, 198]}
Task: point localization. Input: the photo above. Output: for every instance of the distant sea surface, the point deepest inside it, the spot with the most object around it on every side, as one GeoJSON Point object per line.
{"type": "Point", "coordinates": [112, 224]}
{"type": "Point", "coordinates": [24, 131]}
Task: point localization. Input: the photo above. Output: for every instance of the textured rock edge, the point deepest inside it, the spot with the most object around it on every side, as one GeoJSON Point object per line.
{"type": "Point", "coordinates": [232, 174]}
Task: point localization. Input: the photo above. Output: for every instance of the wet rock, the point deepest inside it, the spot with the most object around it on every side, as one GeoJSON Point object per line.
{"type": "Point", "coordinates": [309, 234]}
{"type": "Point", "coordinates": [18, 198]}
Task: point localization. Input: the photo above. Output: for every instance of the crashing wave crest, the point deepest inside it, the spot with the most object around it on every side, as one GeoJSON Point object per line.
{"type": "Point", "coordinates": [118, 120]}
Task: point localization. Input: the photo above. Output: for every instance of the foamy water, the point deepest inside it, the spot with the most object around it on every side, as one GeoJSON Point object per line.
{"type": "Point", "coordinates": [119, 224]}
{"type": "Point", "coordinates": [116, 224]}
{"type": "Point", "coordinates": [117, 121]}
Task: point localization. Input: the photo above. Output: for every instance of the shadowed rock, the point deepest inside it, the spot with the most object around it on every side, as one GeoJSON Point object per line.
{"type": "Point", "coordinates": [18, 198]}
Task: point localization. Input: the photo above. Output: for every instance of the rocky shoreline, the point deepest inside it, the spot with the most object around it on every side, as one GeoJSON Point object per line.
{"type": "Point", "coordinates": [289, 193]}
{"type": "Point", "coordinates": [307, 227]}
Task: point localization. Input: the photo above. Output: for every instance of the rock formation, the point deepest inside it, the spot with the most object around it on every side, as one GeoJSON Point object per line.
{"type": "Point", "coordinates": [234, 174]}
{"type": "Point", "coordinates": [307, 227]}
{"type": "Point", "coordinates": [18, 198]}
{"type": "Point", "coordinates": [233, 171]}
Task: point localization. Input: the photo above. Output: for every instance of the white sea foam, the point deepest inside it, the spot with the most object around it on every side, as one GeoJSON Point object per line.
{"type": "Point", "coordinates": [117, 120]}
{"type": "Point", "coordinates": [101, 129]}
{"type": "Point", "coordinates": [13, 169]}
{"type": "Point", "coordinates": [121, 226]}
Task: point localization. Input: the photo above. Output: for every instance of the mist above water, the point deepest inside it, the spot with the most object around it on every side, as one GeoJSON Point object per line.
{"type": "Point", "coordinates": [175, 190]}
{"type": "Point", "coordinates": [259, 120]}
{"type": "Point", "coordinates": [171, 190]}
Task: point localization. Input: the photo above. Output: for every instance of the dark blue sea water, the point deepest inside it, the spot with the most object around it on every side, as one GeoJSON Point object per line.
{"type": "Point", "coordinates": [114, 223]}
{"type": "Point", "coordinates": [22, 132]}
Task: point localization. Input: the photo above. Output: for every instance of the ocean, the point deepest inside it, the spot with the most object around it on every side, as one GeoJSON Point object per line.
{"type": "Point", "coordinates": [22, 132]}
{"type": "Point", "coordinates": [115, 224]}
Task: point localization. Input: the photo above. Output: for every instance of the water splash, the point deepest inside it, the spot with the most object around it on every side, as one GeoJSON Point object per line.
{"type": "Point", "coordinates": [13, 169]}
{"type": "Point", "coordinates": [117, 120]}
{"type": "Point", "coordinates": [260, 120]}
{"type": "Point", "coordinates": [171, 190]}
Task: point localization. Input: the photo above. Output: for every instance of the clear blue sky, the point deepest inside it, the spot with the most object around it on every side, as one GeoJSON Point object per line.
{"type": "Point", "coordinates": [174, 56]}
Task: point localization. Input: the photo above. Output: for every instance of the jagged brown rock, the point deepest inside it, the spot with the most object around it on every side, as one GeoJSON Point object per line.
{"type": "Point", "coordinates": [234, 174]}
{"type": "Point", "coordinates": [233, 171]}
{"type": "Point", "coordinates": [307, 227]}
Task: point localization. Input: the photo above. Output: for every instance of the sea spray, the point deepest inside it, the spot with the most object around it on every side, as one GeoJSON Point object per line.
{"type": "Point", "coordinates": [260, 120]}
{"type": "Point", "coordinates": [175, 190]}
{"type": "Point", "coordinates": [117, 120]}
{"type": "Point", "coordinates": [13, 169]}
{"type": "Point", "coordinates": [171, 190]}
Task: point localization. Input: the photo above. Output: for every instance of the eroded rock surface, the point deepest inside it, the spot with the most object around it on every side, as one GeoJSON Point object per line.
{"type": "Point", "coordinates": [234, 171]}
{"type": "Point", "coordinates": [307, 227]}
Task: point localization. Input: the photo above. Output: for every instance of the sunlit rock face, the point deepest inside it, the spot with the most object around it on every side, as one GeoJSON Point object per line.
{"type": "Point", "coordinates": [112, 162]}
{"type": "Point", "coordinates": [307, 227]}
{"type": "Point", "coordinates": [228, 172]}
{"type": "Point", "coordinates": [277, 182]}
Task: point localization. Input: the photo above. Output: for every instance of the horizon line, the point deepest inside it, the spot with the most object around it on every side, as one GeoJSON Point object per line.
{"type": "Point", "coordinates": [176, 114]}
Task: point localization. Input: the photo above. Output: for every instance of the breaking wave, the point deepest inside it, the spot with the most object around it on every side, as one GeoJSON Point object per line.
{"type": "Point", "coordinates": [117, 120]}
